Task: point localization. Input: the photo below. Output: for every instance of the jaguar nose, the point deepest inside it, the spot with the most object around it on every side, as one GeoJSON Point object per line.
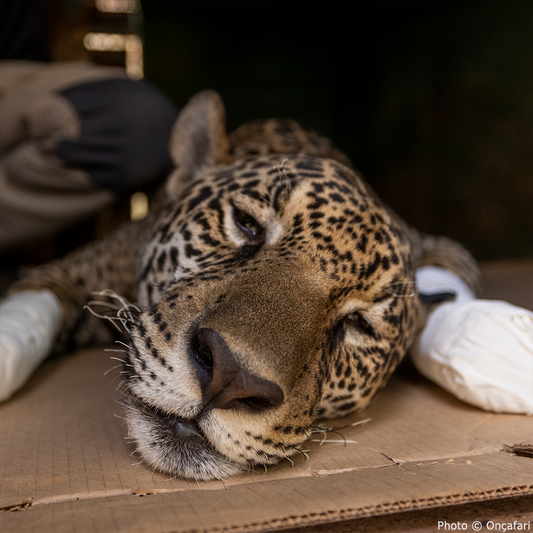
{"type": "Point", "coordinates": [225, 382]}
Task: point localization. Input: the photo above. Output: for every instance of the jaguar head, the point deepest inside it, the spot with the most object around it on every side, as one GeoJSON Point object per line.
{"type": "Point", "coordinates": [279, 290]}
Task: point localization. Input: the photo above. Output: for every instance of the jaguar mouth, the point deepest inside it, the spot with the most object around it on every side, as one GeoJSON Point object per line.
{"type": "Point", "coordinates": [175, 445]}
{"type": "Point", "coordinates": [183, 430]}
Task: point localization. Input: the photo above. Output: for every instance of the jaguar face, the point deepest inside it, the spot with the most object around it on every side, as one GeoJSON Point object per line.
{"type": "Point", "coordinates": [279, 290]}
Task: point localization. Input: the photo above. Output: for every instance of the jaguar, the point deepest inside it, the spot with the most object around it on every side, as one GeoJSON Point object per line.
{"type": "Point", "coordinates": [271, 288]}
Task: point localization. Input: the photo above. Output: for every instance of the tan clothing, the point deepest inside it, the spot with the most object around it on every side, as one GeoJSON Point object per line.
{"type": "Point", "coordinates": [39, 193]}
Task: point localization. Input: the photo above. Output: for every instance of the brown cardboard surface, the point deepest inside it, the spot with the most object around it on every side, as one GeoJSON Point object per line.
{"type": "Point", "coordinates": [65, 464]}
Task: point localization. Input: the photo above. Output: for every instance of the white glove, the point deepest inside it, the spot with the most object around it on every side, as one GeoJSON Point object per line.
{"type": "Point", "coordinates": [29, 324]}
{"type": "Point", "coordinates": [479, 350]}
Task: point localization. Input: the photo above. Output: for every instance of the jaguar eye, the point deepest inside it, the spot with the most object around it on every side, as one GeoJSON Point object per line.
{"type": "Point", "coordinates": [253, 231]}
{"type": "Point", "coordinates": [360, 323]}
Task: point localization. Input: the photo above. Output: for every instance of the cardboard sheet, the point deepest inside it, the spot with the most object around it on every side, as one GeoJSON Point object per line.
{"type": "Point", "coordinates": [65, 465]}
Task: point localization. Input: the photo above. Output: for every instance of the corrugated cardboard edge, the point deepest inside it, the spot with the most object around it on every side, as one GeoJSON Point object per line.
{"type": "Point", "coordinates": [341, 515]}
{"type": "Point", "coordinates": [287, 503]}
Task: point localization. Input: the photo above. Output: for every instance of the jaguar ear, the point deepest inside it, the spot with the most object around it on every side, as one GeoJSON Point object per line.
{"type": "Point", "coordinates": [198, 140]}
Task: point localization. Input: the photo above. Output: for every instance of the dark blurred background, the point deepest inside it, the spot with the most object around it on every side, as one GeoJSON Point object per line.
{"type": "Point", "coordinates": [432, 101]}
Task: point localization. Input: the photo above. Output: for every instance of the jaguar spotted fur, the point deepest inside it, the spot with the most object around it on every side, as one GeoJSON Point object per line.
{"type": "Point", "coordinates": [273, 288]}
